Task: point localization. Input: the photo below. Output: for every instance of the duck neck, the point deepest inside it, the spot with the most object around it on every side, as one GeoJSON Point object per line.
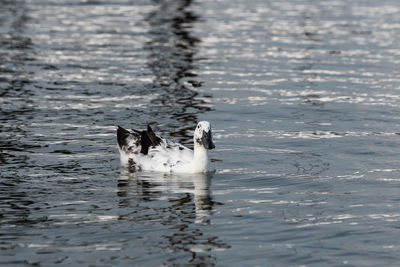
{"type": "Point", "coordinates": [201, 155]}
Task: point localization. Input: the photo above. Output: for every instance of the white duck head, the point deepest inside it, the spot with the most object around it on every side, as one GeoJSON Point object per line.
{"type": "Point", "coordinates": [203, 135]}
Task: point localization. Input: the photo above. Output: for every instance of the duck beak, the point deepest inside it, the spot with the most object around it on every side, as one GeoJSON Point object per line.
{"type": "Point", "coordinates": [207, 140]}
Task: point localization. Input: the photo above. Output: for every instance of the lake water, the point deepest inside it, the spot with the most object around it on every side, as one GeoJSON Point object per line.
{"type": "Point", "coordinates": [304, 99]}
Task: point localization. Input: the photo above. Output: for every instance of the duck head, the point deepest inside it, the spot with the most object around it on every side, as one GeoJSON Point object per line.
{"type": "Point", "coordinates": [203, 135]}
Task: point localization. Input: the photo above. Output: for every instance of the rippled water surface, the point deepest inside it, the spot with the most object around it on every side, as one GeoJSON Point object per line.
{"type": "Point", "coordinates": [304, 98]}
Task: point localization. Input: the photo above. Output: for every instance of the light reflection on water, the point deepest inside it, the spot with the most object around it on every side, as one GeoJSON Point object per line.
{"type": "Point", "coordinates": [303, 97]}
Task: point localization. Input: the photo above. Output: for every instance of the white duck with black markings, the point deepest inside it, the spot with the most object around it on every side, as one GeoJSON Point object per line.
{"type": "Point", "coordinates": [145, 151]}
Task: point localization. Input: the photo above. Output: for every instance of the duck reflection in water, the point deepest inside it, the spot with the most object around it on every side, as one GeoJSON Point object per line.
{"type": "Point", "coordinates": [183, 203]}
{"type": "Point", "coordinates": [181, 190]}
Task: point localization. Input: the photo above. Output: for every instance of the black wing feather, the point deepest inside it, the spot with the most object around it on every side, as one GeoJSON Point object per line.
{"type": "Point", "coordinates": [123, 136]}
{"type": "Point", "coordinates": [147, 138]}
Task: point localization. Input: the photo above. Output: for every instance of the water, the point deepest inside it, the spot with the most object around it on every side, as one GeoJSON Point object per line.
{"type": "Point", "coordinates": [304, 101]}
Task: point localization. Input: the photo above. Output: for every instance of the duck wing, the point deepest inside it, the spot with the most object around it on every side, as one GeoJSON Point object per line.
{"type": "Point", "coordinates": [170, 154]}
{"type": "Point", "coordinates": [134, 141]}
{"type": "Point", "coordinates": [148, 139]}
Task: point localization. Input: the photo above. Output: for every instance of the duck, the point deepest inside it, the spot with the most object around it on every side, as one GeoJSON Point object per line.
{"type": "Point", "coordinates": [143, 150]}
